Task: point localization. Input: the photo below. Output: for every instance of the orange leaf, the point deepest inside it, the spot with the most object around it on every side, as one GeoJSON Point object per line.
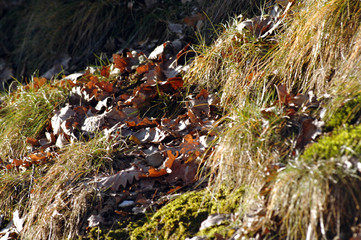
{"type": "Point", "coordinates": [153, 172]}
{"type": "Point", "coordinates": [142, 69]}
{"type": "Point", "coordinates": [105, 71]}
{"type": "Point", "coordinates": [171, 158]}
{"type": "Point", "coordinates": [175, 82]}
{"type": "Point", "coordinates": [38, 82]}
{"type": "Point", "coordinates": [174, 189]}
{"type": "Point", "coordinates": [202, 94]}
{"type": "Point", "coordinates": [121, 63]}
{"type": "Point", "coordinates": [90, 85]}
{"type": "Point", "coordinates": [121, 213]}
{"type": "Point", "coordinates": [33, 141]}
{"type": "Point", "coordinates": [37, 158]}
{"type": "Point", "coordinates": [94, 79]}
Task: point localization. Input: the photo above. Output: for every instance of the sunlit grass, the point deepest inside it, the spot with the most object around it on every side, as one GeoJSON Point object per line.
{"type": "Point", "coordinates": [24, 113]}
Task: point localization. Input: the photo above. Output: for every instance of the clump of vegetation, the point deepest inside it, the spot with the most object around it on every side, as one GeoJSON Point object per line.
{"type": "Point", "coordinates": [307, 53]}
{"type": "Point", "coordinates": [314, 201]}
{"type": "Point", "coordinates": [61, 197]}
{"type": "Point", "coordinates": [24, 113]}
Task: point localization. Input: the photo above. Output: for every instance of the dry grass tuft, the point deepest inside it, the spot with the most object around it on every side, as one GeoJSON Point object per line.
{"type": "Point", "coordinates": [231, 65]}
{"type": "Point", "coordinates": [316, 201]}
{"type": "Point", "coordinates": [317, 40]}
{"type": "Point", "coordinates": [62, 197]}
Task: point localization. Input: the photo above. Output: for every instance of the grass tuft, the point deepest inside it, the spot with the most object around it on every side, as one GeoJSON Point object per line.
{"type": "Point", "coordinates": [24, 113]}
{"type": "Point", "coordinates": [62, 197]}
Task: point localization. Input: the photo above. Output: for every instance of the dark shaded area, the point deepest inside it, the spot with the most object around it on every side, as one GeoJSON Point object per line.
{"type": "Point", "coordinates": [66, 35]}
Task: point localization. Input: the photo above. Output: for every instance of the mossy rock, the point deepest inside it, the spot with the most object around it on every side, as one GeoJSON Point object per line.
{"type": "Point", "coordinates": [179, 219]}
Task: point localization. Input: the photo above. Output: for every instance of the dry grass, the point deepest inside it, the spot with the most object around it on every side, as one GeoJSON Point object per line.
{"type": "Point", "coordinates": [318, 48]}
{"type": "Point", "coordinates": [63, 196]}
{"type": "Point", "coordinates": [317, 41]}
{"type": "Point", "coordinates": [315, 201]}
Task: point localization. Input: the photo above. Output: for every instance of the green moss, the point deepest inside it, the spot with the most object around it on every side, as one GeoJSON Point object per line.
{"type": "Point", "coordinates": [101, 234]}
{"type": "Point", "coordinates": [342, 142]}
{"type": "Point", "coordinates": [179, 219]}
{"type": "Point", "coordinates": [349, 113]}
{"type": "Point", "coordinates": [223, 230]}
{"type": "Point", "coordinates": [226, 200]}
{"type": "Point", "coordinates": [182, 217]}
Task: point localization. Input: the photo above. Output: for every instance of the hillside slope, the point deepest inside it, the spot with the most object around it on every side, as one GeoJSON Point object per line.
{"type": "Point", "coordinates": [253, 136]}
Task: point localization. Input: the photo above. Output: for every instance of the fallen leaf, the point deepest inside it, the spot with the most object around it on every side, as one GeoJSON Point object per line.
{"type": "Point", "coordinates": [122, 178]}
{"type": "Point", "coordinates": [33, 141]}
{"type": "Point", "coordinates": [121, 62]}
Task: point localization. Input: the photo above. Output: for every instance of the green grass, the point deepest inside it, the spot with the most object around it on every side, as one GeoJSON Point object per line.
{"type": "Point", "coordinates": [24, 113]}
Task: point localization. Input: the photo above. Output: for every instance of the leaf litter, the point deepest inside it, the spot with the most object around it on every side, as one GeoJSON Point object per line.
{"type": "Point", "coordinates": [165, 143]}
{"type": "Point", "coordinates": [139, 100]}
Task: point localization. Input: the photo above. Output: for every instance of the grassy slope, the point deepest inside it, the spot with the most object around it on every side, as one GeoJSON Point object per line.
{"type": "Point", "coordinates": [316, 195]}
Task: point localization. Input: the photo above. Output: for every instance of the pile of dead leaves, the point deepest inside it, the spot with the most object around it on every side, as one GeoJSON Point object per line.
{"type": "Point", "coordinates": [141, 101]}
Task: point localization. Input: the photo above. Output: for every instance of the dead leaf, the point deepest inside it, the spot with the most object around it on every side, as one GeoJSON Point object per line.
{"type": "Point", "coordinates": [122, 63]}
{"type": "Point", "coordinates": [38, 82]}
{"type": "Point", "coordinates": [105, 71]}
{"type": "Point", "coordinates": [122, 178]}
{"type": "Point", "coordinates": [59, 117]}
{"type": "Point", "coordinates": [185, 172]}
{"type": "Point", "coordinates": [33, 141]}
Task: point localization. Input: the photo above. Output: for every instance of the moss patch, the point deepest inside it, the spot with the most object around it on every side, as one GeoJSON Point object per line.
{"type": "Point", "coordinates": [177, 220]}
{"type": "Point", "coordinates": [341, 142]}
{"type": "Point", "coordinates": [349, 113]}
{"type": "Point", "coordinates": [180, 218]}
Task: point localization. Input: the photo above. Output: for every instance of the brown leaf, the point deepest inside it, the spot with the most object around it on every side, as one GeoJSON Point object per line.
{"type": "Point", "coordinates": [121, 178]}
{"type": "Point", "coordinates": [173, 83]}
{"type": "Point", "coordinates": [182, 171]}
{"type": "Point", "coordinates": [283, 94]}
{"type": "Point", "coordinates": [192, 20]}
{"type": "Point", "coordinates": [18, 163]}
{"type": "Point", "coordinates": [122, 63]}
{"type": "Point", "coordinates": [105, 71]}
{"type": "Point", "coordinates": [306, 135]}
{"type": "Point", "coordinates": [105, 86]}
{"type": "Point", "coordinates": [33, 141]}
